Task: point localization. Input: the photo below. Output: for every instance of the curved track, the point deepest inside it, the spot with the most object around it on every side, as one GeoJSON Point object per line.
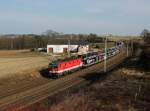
{"type": "Point", "coordinates": [32, 92]}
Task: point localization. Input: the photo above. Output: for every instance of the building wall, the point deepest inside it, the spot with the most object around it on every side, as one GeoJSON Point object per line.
{"type": "Point", "coordinates": [60, 48]}
{"type": "Point", "coordinates": [83, 49]}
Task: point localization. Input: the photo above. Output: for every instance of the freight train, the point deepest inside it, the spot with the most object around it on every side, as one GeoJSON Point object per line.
{"type": "Point", "coordinates": [62, 67]}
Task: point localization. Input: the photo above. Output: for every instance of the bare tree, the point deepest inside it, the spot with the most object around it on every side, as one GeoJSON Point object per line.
{"type": "Point", "coordinates": [146, 35]}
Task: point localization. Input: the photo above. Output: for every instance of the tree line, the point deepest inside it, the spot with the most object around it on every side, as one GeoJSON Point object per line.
{"type": "Point", "coordinates": [40, 41]}
{"type": "Point", "coordinates": [146, 35]}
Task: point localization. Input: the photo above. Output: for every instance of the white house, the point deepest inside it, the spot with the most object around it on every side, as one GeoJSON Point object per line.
{"type": "Point", "coordinates": [72, 46]}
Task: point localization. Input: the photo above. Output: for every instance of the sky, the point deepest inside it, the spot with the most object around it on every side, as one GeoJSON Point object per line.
{"type": "Point", "coordinates": [118, 17]}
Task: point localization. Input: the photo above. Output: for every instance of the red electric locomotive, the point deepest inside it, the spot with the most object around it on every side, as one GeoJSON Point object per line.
{"type": "Point", "coordinates": [61, 67]}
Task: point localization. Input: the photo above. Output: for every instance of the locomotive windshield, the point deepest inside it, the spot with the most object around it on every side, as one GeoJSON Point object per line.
{"type": "Point", "coordinates": [52, 65]}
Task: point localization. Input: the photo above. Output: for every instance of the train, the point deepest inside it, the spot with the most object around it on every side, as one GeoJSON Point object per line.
{"type": "Point", "coordinates": [66, 66]}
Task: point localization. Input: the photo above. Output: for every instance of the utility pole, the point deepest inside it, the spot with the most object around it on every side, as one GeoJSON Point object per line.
{"type": "Point", "coordinates": [127, 49]}
{"type": "Point", "coordinates": [12, 46]}
{"type": "Point", "coordinates": [131, 47]}
{"type": "Point", "coordinates": [105, 57]}
{"type": "Point", "coordinates": [68, 48]}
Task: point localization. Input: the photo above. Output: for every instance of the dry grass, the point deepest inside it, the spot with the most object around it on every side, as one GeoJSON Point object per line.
{"type": "Point", "coordinates": [133, 72]}
{"type": "Point", "coordinates": [5, 53]}
{"type": "Point", "coordinates": [117, 93]}
{"type": "Point", "coordinates": [11, 66]}
{"type": "Point", "coordinates": [80, 103]}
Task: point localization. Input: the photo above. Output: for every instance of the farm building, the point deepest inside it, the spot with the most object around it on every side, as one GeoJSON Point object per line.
{"type": "Point", "coordinates": [65, 46]}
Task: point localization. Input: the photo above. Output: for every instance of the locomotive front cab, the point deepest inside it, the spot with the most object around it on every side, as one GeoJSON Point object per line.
{"type": "Point", "coordinates": [53, 68]}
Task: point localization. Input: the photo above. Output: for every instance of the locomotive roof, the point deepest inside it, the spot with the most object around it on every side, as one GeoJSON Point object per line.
{"type": "Point", "coordinates": [63, 60]}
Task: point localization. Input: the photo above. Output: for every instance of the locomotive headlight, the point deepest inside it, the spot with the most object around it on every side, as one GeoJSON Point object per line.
{"type": "Point", "coordinates": [105, 57]}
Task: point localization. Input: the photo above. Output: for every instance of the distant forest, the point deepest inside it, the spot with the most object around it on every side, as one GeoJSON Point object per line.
{"type": "Point", "coordinates": [13, 42]}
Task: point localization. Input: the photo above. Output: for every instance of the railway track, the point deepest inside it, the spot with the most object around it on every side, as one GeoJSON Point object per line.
{"type": "Point", "coordinates": [23, 98]}
{"type": "Point", "coordinates": [17, 88]}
